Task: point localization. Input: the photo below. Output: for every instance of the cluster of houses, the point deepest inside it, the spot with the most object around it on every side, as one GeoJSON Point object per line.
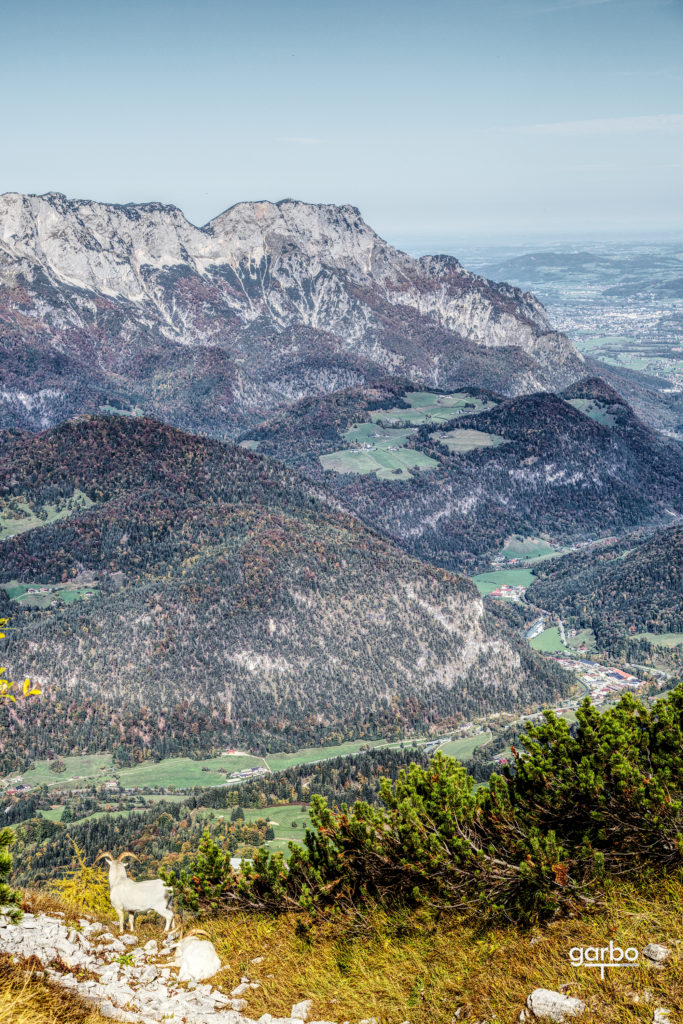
{"type": "Point", "coordinates": [16, 789]}
{"type": "Point", "coordinates": [603, 681]}
{"type": "Point", "coordinates": [247, 773]}
{"type": "Point", "coordinates": [508, 592]}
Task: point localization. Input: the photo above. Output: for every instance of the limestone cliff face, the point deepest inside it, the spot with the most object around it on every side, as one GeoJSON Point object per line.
{"type": "Point", "coordinates": [267, 302]}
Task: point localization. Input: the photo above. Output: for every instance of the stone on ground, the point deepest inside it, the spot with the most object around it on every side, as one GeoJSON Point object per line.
{"type": "Point", "coordinates": [548, 1005]}
{"type": "Point", "coordinates": [656, 952]}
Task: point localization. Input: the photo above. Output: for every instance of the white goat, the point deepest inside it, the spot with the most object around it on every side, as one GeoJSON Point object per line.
{"type": "Point", "coordinates": [130, 897]}
{"type": "Point", "coordinates": [197, 958]}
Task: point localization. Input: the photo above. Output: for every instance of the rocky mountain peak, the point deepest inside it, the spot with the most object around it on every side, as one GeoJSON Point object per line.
{"type": "Point", "coordinates": [326, 232]}
{"type": "Point", "coordinates": [265, 304]}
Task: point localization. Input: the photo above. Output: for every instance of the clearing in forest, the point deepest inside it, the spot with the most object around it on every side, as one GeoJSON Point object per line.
{"type": "Point", "coordinates": [17, 516]}
{"type": "Point", "coordinates": [380, 450]}
{"type": "Point", "coordinates": [594, 409]}
{"type": "Point", "coordinates": [426, 407]}
{"type": "Point", "coordinates": [462, 441]}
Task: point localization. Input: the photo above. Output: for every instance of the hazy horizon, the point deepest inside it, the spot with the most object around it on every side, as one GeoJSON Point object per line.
{"type": "Point", "coordinates": [474, 121]}
{"type": "Point", "coordinates": [419, 244]}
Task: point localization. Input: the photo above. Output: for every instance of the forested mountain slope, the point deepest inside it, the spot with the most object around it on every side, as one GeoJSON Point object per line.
{"type": "Point", "coordinates": [213, 328]}
{"type": "Point", "coordinates": [632, 587]}
{"type": "Point", "coordinates": [569, 466]}
{"type": "Point", "coordinates": [232, 604]}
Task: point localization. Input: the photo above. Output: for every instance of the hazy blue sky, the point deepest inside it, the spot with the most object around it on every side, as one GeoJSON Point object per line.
{"type": "Point", "coordinates": [440, 119]}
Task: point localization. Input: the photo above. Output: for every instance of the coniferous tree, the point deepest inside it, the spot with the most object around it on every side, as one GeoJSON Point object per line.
{"type": "Point", "coordinates": [9, 898]}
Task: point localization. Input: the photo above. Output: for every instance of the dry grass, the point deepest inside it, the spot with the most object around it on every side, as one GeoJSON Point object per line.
{"type": "Point", "coordinates": [417, 968]}
{"type": "Point", "coordinates": [423, 970]}
{"type": "Point", "coordinates": [25, 998]}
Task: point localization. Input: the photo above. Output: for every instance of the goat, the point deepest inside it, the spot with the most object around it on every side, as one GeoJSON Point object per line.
{"type": "Point", "coordinates": [129, 897]}
{"type": "Point", "coordinates": [196, 958]}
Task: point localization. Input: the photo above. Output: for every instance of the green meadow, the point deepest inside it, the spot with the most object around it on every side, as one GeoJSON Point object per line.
{"type": "Point", "coordinates": [526, 547]}
{"type": "Point", "coordinates": [180, 772]}
{"type": "Point", "coordinates": [183, 772]}
{"type": "Point", "coordinates": [661, 639]}
{"type": "Point", "coordinates": [386, 465]}
{"type": "Point", "coordinates": [426, 407]}
{"type": "Point", "coordinates": [289, 823]}
{"type": "Point", "coordinates": [387, 458]}
{"type": "Point", "coordinates": [308, 755]}
{"type": "Point", "coordinates": [378, 446]}
{"type": "Point", "coordinates": [462, 441]}
{"type": "Point", "coordinates": [42, 595]}
{"type": "Point", "coordinates": [594, 409]}
{"type": "Point", "coordinates": [464, 748]}
{"type": "Point", "coordinates": [549, 641]}
{"type": "Point", "coordinates": [488, 581]}
{"type": "Point", "coordinates": [12, 524]}
{"type": "Point", "coordinates": [79, 771]}
{"type": "Point", "coordinates": [113, 410]}
{"type": "Point", "coordinates": [583, 636]}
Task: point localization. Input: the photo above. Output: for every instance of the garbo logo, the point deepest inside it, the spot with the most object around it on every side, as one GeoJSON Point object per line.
{"type": "Point", "coordinates": [603, 956]}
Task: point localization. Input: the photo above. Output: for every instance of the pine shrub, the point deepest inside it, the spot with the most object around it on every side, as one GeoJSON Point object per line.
{"type": "Point", "coordinates": [578, 806]}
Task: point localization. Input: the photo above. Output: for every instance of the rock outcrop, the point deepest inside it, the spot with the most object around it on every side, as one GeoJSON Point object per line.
{"type": "Point", "coordinates": [269, 302]}
{"type": "Point", "coordinates": [126, 981]}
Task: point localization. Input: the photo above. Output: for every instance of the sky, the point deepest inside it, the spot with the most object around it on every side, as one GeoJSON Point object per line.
{"type": "Point", "coordinates": [442, 120]}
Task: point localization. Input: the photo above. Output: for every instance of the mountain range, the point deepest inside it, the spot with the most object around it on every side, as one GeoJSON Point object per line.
{"type": "Point", "coordinates": [396, 420]}
{"type": "Point", "coordinates": [214, 328]}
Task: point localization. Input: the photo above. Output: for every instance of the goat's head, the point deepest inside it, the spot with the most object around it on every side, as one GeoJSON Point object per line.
{"type": "Point", "coordinates": [117, 869]}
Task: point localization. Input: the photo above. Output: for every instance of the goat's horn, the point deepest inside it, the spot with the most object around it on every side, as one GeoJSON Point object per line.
{"type": "Point", "coordinates": [197, 931]}
{"type": "Point", "coordinates": [106, 854]}
{"type": "Point", "coordinates": [127, 853]}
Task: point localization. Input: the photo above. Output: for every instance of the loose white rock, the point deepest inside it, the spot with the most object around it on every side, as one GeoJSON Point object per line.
{"type": "Point", "coordinates": [548, 1005]}
{"type": "Point", "coordinates": [300, 1011]}
{"type": "Point", "coordinates": [656, 953]}
{"type": "Point", "coordinates": [141, 993]}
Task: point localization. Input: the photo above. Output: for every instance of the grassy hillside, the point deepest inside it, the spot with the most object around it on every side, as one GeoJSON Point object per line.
{"type": "Point", "coordinates": [416, 968]}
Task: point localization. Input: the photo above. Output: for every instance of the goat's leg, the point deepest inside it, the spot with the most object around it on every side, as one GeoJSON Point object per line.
{"type": "Point", "coordinates": [170, 920]}
{"type": "Point", "coordinates": [121, 919]}
{"type": "Point", "coordinates": [131, 921]}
